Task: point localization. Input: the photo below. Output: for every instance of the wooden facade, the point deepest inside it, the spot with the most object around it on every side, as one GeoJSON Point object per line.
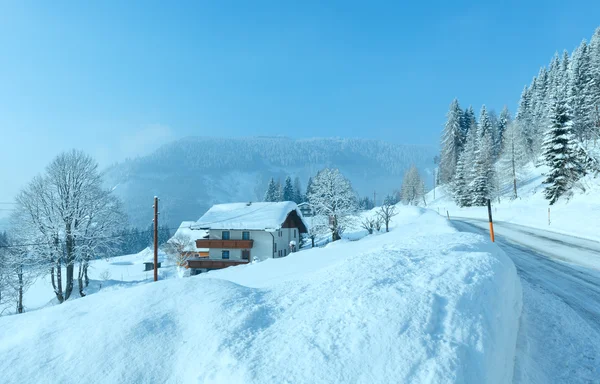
{"type": "Point", "coordinates": [212, 263]}
{"type": "Point", "coordinates": [294, 221]}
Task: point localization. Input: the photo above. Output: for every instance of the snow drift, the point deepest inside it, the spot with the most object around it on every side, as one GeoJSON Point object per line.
{"type": "Point", "coordinates": [423, 303]}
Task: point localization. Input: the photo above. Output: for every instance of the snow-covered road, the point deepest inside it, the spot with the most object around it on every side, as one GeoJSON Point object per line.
{"type": "Point", "coordinates": [559, 337]}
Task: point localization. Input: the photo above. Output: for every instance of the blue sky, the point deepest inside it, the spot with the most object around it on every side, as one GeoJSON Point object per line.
{"type": "Point", "coordinates": [117, 78]}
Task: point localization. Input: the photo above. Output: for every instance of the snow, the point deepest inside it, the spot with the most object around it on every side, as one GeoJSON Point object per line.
{"type": "Point", "coordinates": [423, 303]}
{"type": "Point", "coordinates": [559, 333]}
{"type": "Point", "coordinates": [575, 216]}
{"type": "Point", "coordinates": [250, 216]}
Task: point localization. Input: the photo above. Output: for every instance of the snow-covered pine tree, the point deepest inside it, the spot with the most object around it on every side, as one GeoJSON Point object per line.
{"type": "Point", "coordinates": [503, 122]}
{"type": "Point", "coordinates": [482, 177]}
{"type": "Point", "coordinates": [525, 120]}
{"type": "Point", "coordinates": [460, 188]}
{"type": "Point", "coordinates": [559, 152]}
{"type": "Point", "coordinates": [452, 142]}
{"type": "Point", "coordinates": [594, 57]}
{"type": "Point", "coordinates": [463, 193]}
{"type": "Point", "coordinates": [513, 156]}
{"type": "Point", "coordinates": [580, 94]}
{"type": "Point", "coordinates": [288, 190]}
{"type": "Point", "coordinates": [539, 113]}
{"type": "Point", "coordinates": [298, 196]}
{"type": "Point", "coordinates": [279, 189]}
{"type": "Point", "coordinates": [272, 193]}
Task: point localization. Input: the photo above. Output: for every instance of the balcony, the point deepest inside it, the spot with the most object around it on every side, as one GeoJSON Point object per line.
{"type": "Point", "coordinates": [197, 263]}
{"type": "Point", "coordinates": [224, 244]}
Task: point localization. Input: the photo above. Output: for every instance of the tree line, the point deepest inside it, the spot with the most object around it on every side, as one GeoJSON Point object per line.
{"type": "Point", "coordinates": [557, 124]}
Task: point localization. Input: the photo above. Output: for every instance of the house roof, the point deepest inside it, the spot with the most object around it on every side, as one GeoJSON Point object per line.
{"type": "Point", "coordinates": [251, 216]}
{"type": "Point", "coordinates": [185, 231]}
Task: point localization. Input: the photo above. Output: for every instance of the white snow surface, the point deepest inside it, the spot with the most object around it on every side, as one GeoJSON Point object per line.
{"type": "Point", "coordinates": [421, 304]}
{"type": "Point", "coordinates": [254, 216]}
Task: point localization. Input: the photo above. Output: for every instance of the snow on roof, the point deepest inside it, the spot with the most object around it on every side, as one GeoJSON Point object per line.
{"type": "Point", "coordinates": [252, 216]}
{"type": "Point", "coordinates": [185, 231]}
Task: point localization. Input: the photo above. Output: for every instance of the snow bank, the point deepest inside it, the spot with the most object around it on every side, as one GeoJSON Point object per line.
{"type": "Point", "coordinates": [423, 303]}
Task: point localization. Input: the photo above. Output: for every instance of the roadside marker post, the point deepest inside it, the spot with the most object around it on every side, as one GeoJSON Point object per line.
{"type": "Point", "coordinates": [489, 204]}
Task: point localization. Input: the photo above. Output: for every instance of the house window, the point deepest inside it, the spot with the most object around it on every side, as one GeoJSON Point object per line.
{"type": "Point", "coordinates": [246, 254]}
{"type": "Point", "coordinates": [274, 247]}
{"type": "Point", "coordinates": [225, 235]}
{"type": "Point", "coordinates": [294, 233]}
{"type": "Point", "coordinates": [285, 252]}
{"type": "Point", "coordinates": [225, 254]}
{"type": "Point", "coordinates": [245, 235]}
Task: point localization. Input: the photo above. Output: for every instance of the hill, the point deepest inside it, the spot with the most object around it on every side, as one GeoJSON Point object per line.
{"type": "Point", "coordinates": [191, 174]}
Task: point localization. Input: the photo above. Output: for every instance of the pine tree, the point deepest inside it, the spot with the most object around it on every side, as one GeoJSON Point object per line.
{"type": "Point", "coordinates": [279, 189]}
{"type": "Point", "coordinates": [513, 156]}
{"type": "Point", "coordinates": [581, 96]}
{"type": "Point", "coordinates": [452, 142]}
{"type": "Point", "coordinates": [482, 174]}
{"type": "Point", "coordinates": [468, 158]}
{"type": "Point", "coordinates": [559, 152]}
{"type": "Point", "coordinates": [298, 196]}
{"type": "Point", "coordinates": [288, 190]}
{"type": "Point", "coordinates": [525, 120]}
{"type": "Point", "coordinates": [459, 185]}
{"type": "Point", "coordinates": [503, 122]}
{"type": "Point", "coordinates": [272, 193]}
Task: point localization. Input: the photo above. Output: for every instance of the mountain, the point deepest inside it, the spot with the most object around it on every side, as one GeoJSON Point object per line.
{"type": "Point", "coordinates": [191, 174]}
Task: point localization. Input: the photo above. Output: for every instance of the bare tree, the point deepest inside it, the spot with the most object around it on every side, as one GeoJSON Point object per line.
{"type": "Point", "coordinates": [68, 215]}
{"type": "Point", "coordinates": [332, 196]}
{"type": "Point", "coordinates": [178, 248]}
{"type": "Point", "coordinates": [377, 222]}
{"type": "Point", "coordinates": [18, 270]}
{"type": "Point", "coordinates": [368, 223]}
{"type": "Point", "coordinates": [386, 212]}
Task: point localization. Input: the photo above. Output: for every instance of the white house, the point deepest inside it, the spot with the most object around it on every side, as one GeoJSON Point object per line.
{"type": "Point", "coordinates": [241, 232]}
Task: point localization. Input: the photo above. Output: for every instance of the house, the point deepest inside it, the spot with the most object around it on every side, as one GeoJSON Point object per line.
{"type": "Point", "coordinates": [306, 209]}
{"type": "Point", "coordinates": [242, 232]}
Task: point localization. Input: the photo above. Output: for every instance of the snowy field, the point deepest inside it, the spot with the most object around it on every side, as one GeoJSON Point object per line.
{"type": "Point", "coordinates": [105, 275]}
{"type": "Point", "coordinates": [423, 303]}
{"type": "Point", "coordinates": [577, 216]}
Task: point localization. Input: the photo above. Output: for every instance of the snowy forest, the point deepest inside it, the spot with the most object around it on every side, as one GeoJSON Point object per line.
{"type": "Point", "coordinates": [557, 124]}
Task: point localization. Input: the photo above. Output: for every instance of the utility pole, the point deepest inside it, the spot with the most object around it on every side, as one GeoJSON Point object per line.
{"type": "Point", "coordinates": [155, 238]}
{"type": "Point", "coordinates": [374, 199]}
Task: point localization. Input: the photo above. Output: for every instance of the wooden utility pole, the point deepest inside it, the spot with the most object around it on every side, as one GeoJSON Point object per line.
{"type": "Point", "coordinates": [155, 238]}
{"type": "Point", "coordinates": [489, 204]}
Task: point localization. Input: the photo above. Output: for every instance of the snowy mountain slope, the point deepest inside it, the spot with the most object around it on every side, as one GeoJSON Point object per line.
{"type": "Point", "coordinates": [191, 174]}
{"type": "Point", "coordinates": [576, 216]}
{"type": "Point", "coordinates": [423, 303]}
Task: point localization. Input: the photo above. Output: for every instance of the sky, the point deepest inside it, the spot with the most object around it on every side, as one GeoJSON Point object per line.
{"type": "Point", "coordinates": [118, 78]}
